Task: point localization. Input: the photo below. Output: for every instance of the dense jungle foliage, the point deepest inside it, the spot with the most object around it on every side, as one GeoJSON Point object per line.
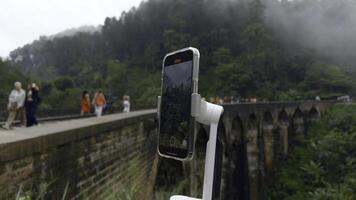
{"type": "Point", "coordinates": [242, 54]}
{"type": "Point", "coordinates": [324, 166]}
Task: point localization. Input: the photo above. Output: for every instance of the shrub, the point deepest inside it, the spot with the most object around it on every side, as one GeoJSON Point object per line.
{"type": "Point", "coordinates": [324, 166]}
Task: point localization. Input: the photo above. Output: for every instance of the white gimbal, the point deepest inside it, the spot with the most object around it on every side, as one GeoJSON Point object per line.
{"type": "Point", "coordinates": [207, 114]}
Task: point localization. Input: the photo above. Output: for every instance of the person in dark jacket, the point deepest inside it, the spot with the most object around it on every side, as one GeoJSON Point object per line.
{"type": "Point", "coordinates": [31, 104]}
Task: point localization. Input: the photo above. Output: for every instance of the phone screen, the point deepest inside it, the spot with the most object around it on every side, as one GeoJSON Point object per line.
{"type": "Point", "coordinates": [175, 118]}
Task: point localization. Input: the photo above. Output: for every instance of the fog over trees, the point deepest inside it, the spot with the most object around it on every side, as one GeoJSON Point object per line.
{"type": "Point", "coordinates": [271, 49]}
{"type": "Point", "coordinates": [327, 26]}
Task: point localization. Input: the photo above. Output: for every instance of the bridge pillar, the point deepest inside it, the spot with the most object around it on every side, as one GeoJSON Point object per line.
{"type": "Point", "coordinates": [283, 124]}
{"type": "Point", "coordinates": [253, 158]}
{"type": "Point", "coordinates": [268, 136]}
{"type": "Point", "coordinates": [298, 126]}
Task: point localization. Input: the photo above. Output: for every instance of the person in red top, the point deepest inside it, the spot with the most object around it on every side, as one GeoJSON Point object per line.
{"type": "Point", "coordinates": [85, 104]}
{"type": "Point", "coordinates": [99, 102]}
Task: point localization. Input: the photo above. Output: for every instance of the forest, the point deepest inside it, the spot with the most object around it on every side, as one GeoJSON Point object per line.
{"type": "Point", "coordinates": [323, 167]}
{"type": "Point", "coordinates": [270, 50]}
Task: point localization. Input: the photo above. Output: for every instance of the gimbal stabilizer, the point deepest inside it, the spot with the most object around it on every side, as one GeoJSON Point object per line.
{"type": "Point", "coordinates": [208, 114]}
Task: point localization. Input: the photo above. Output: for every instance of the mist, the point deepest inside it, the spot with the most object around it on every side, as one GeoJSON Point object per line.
{"type": "Point", "coordinates": [327, 27]}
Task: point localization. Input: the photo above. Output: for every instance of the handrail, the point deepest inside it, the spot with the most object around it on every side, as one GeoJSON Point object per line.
{"type": "Point", "coordinates": [54, 118]}
{"type": "Point", "coordinates": [52, 115]}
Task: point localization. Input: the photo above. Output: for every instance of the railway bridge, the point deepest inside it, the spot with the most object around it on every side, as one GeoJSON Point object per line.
{"type": "Point", "coordinates": [101, 158]}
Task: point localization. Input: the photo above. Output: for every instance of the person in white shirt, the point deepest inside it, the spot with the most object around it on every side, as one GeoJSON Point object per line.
{"type": "Point", "coordinates": [16, 106]}
{"type": "Point", "coordinates": [126, 104]}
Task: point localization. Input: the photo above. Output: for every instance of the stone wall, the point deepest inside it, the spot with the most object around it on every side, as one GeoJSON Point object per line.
{"type": "Point", "coordinates": [94, 158]}
{"type": "Point", "coordinates": [99, 157]}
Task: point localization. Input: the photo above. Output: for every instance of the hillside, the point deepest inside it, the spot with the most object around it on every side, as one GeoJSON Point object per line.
{"type": "Point", "coordinates": [243, 54]}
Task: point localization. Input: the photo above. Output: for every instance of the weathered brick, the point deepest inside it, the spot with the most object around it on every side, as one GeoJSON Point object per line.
{"type": "Point", "coordinates": [95, 162]}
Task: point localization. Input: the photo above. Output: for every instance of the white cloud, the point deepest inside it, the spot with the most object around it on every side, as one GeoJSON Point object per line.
{"type": "Point", "coordinates": [22, 21]}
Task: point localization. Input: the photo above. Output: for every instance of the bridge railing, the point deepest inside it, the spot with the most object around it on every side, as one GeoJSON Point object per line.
{"type": "Point", "coordinates": [49, 115]}
{"type": "Point", "coordinates": [56, 114]}
{"type": "Point", "coordinates": [65, 114]}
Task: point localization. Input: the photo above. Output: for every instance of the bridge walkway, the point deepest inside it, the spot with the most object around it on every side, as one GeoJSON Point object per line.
{"type": "Point", "coordinates": [50, 127]}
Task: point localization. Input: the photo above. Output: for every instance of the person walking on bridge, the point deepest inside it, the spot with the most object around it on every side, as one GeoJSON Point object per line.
{"type": "Point", "coordinates": [99, 102]}
{"type": "Point", "coordinates": [85, 104]}
{"type": "Point", "coordinates": [31, 104]}
{"type": "Point", "coordinates": [126, 103]}
{"type": "Point", "coordinates": [15, 106]}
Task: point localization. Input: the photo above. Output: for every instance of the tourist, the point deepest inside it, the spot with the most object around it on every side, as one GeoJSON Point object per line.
{"type": "Point", "coordinates": [126, 103]}
{"type": "Point", "coordinates": [99, 102]}
{"type": "Point", "coordinates": [226, 99]}
{"type": "Point", "coordinates": [232, 100]}
{"type": "Point", "coordinates": [85, 104]}
{"type": "Point", "coordinates": [31, 104]}
{"type": "Point", "coordinates": [15, 106]}
{"type": "Point", "coordinates": [218, 100]}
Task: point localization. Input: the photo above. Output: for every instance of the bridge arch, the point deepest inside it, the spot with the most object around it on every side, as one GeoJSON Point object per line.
{"type": "Point", "coordinates": [236, 134]}
{"type": "Point", "coordinates": [236, 165]}
{"type": "Point", "coordinates": [313, 114]}
{"type": "Point", "coordinates": [222, 156]}
{"type": "Point", "coordinates": [283, 116]}
{"type": "Point", "coordinates": [253, 156]}
{"type": "Point", "coordinates": [298, 125]}
{"type": "Point", "coordinates": [252, 121]}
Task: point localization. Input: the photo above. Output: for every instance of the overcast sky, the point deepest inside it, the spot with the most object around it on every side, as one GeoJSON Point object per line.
{"type": "Point", "coordinates": [22, 21]}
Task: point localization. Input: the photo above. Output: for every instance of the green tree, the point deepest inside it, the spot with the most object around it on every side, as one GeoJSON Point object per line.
{"type": "Point", "coordinates": [323, 167]}
{"type": "Point", "coordinates": [63, 83]}
{"type": "Point", "coordinates": [118, 77]}
{"type": "Point", "coordinates": [324, 79]}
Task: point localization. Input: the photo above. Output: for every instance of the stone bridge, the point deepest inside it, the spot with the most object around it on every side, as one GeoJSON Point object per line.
{"type": "Point", "coordinates": [103, 158]}
{"type": "Point", "coordinates": [255, 137]}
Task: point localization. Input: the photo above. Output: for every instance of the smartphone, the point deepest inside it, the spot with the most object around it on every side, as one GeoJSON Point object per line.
{"type": "Point", "coordinates": [180, 73]}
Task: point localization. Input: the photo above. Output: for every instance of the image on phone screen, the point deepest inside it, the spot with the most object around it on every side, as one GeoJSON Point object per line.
{"type": "Point", "coordinates": [175, 115]}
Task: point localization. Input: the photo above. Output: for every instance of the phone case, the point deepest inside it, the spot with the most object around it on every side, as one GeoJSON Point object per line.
{"type": "Point", "coordinates": [195, 77]}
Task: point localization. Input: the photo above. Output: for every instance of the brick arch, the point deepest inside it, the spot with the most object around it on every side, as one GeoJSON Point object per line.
{"type": "Point", "coordinates": [298, 112]}
{"type": "Point", "coordinates": [236, 165]}
{"type": "Point", "coordinates": [283, 116]}
{"type": "Point", "coordinates": [267, 118]}
{"type": "Point", "coordinates": [252, 121]}
{"type": "Point", "coordinates": [221, 158]}
{"type": "Point", "coordinates": [237, 130]}
{"type": "Point", "coordinates": [253, 150]}
{"type": "Point", "coordinates": [313, 113]}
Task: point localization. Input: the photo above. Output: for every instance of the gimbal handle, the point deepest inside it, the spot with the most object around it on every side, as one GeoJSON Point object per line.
{"type": "Point", "coordinates": [208, 114]}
